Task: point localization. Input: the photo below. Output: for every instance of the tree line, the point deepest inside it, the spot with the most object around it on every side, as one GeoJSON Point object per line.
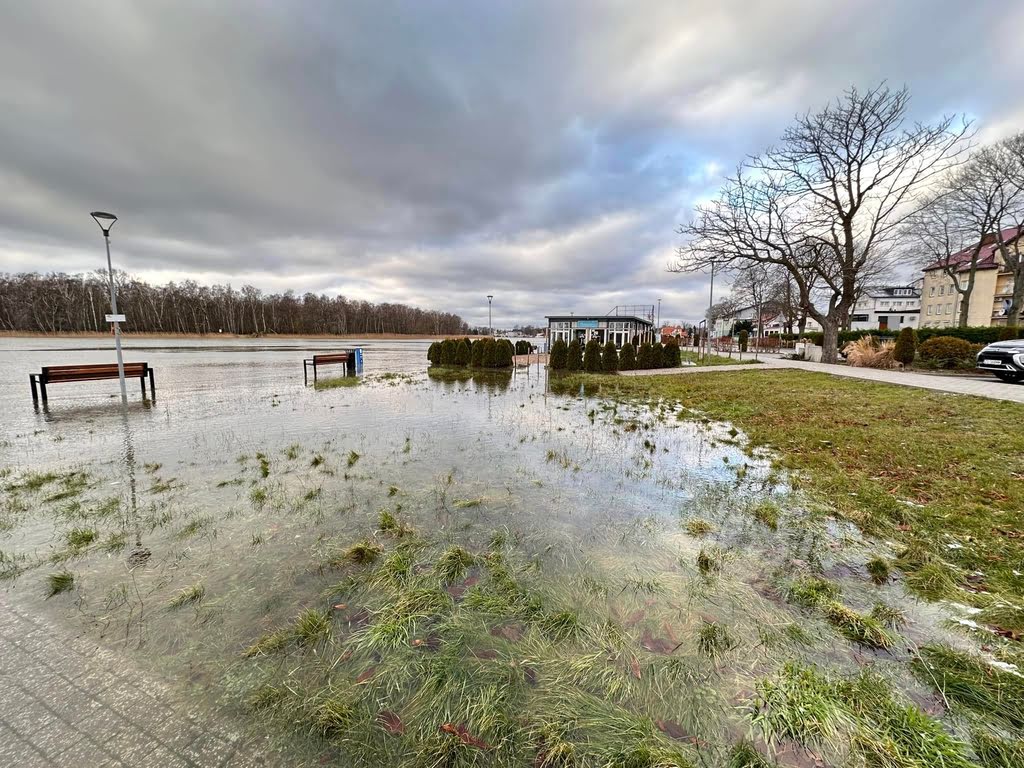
{"type": "Point", "coordinates": [58, 302]}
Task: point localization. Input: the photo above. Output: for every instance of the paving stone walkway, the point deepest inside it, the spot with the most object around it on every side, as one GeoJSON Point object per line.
{"type": "Point", "coordinates": [989, 387]}
{"type": "Point", "coordinates": [67, 702]}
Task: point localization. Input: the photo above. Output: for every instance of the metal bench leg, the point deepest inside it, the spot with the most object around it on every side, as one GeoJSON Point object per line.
{"type": "Point", "coordinates": [142, 380]}
{"type": "Point", "coordinates": [152, 385]}
{"type": "Point", "coordinates": [42, 390]}
{"type": "Point", "coordinates": [35, 392]}
{"type": "Point", "coordinates": [305, 373]}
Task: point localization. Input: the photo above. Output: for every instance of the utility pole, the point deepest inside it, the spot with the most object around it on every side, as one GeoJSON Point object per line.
{"type": "Point", "coordinates": [106, 221]}
{"type": "Point", "coordinates": [490, 327]}
{"type": "Point", "coordinates": [711, 303]}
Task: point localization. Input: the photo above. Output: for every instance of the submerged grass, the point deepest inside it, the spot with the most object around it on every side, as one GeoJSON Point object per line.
{"type": "Point", "coordinates": [58, 583]}
{"type": "Point", "coordinates": [829, 428]}
{"type": "Point", "coordinates": [189, 596]}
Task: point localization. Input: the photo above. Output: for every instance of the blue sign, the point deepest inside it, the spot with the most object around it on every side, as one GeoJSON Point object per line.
{"type": "Point", "coordinates": [586, 323]}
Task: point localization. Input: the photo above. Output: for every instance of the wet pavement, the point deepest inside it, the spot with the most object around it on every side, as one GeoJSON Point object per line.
{"type": "Point", "coordinates": [66, 701]}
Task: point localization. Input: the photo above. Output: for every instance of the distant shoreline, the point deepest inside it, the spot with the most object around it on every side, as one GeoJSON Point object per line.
{"type": "Point", "coordinates": [127, 336]}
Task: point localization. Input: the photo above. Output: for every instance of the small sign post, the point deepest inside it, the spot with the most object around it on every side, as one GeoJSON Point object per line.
{"type": "Point", "coordinates": [115, 318]}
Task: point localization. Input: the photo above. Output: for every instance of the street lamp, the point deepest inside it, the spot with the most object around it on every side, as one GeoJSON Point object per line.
{"type": "Point", "coordinates": [106, 221]}
{"type": "Point", "coordinates": [659, 316]}
{"type": "Point", "coordinates": [490, 328]}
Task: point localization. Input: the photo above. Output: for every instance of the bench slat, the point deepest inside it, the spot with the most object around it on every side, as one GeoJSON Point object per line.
{"type": "Point", "coordinates": [59, 373]}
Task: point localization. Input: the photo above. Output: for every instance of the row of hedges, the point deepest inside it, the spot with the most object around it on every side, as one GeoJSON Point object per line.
{"type": "Point", "coordinates": [482, 353]}
{"type": "Point", "coordinates": [596, 359]}
{"type": "Point", "coordinates": [976, 334]}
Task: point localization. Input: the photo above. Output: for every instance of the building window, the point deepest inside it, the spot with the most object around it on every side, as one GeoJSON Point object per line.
{"type": "Point", "coordinates": [942, 290]}
{"type": "Point", "coordinates": [949, 308]}
{"type": "Point", "coordinates": [933, 290]}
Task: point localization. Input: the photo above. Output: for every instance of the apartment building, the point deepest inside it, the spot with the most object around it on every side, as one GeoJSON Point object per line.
{"type": "Point", "coordinates": [891, 307]}
{"type": "Point", "coordinates": [990, 298]}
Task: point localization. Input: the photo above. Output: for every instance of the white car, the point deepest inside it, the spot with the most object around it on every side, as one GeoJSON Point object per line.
{"type": "Point", "coordinates": [1005, 359]}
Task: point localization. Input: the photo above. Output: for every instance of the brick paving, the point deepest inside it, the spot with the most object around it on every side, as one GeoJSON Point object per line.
{"type": "Point", "coordinates": [977, 386]}
{"type": "Point", "coordinates": [69, 703]}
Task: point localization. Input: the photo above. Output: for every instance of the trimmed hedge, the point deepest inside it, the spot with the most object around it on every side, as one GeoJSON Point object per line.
{"type": "Point", "coordinates": [627, 357]}
{"type": "Point", "coordinates": [947, 351]}
{"type": "Point", "coordinates": [592, 356]}
{"type": "Point", "coordinates": [610, 358]}
{"type": "Point", "coordinates": [671, 356]}
{"type": "Point", "coordinates": [976, 334]}
{"type": "Point", "coordinates": [574, 352]}
{"type": "Point", "coordinates": [461, 353]}
{"type": "Point", "coordinates": [906, 347]}
{"type": "Point", "coordinates": [559, 355]}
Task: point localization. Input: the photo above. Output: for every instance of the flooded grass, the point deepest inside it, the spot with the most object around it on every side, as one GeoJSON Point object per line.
{"type": "Point", "coordinates": [582, 579]}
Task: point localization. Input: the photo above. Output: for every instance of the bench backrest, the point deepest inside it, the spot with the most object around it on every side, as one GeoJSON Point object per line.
{"type": "Point", "coordinates": [334, 357]}
{"type": "Point", "coordinates": [56, 373]}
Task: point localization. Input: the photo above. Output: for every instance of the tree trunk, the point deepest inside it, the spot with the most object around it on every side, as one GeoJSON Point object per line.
{"type": "Point", "coordinates": [1016, 301]}
{"type": "Point", "coordinates": [830, 342]}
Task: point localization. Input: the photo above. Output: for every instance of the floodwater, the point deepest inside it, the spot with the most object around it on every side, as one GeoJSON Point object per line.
{"type": "Point", "coordinates": [240, 480]}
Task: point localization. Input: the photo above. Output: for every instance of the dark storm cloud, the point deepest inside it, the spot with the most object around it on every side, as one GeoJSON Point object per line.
{"type": "Point", "coordinates": [436, 152]}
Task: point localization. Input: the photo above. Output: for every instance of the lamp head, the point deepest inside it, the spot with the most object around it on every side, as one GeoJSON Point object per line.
{"type": "Point", "coordinates": [105, 220]}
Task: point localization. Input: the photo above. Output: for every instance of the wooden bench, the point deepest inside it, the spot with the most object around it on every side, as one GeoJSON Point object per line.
{"type": "Point", "coordinates": [347, 357]}
{"type": "Point", "coordinates": [58, 374]}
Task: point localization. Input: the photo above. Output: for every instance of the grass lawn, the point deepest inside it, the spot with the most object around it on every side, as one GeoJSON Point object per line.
{"type": "Point", "coordinates": [691, 357]}
{"type": "Point", "coordinates": [940, 475]}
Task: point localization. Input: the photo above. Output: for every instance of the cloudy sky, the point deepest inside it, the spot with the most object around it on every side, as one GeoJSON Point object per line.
{"type": "Point", "coordinates": [435, 152]}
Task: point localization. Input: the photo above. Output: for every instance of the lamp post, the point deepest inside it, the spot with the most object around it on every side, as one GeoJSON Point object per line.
{"type": "Point", "coordinates": [490, 327]}
{"type": "Point", "coordinates": [105, 222]}
{"type": "Point", "coordinates": [659, 315]}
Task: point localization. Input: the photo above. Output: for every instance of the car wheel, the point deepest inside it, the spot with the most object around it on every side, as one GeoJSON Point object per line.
{"type": "Point", "coordinates": [1011, 378]}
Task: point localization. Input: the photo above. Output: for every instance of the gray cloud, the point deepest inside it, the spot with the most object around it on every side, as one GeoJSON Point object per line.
{"type": "Point", "coordinates": [436, 152]}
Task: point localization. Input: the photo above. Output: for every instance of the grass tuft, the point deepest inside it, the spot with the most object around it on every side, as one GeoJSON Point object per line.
{"type": "Point", "coordinates": [188, 596]}
{"type": "Point", "coordinates": [878, 569]}
{"type": "Point", "coordinates": [698, 527]}
{"type": "Point", "coordinates": [453, 564]}
{"type": "Point", "coordinates": [767, 513]}
{"type": "Point", "coordinates": [58, 583]}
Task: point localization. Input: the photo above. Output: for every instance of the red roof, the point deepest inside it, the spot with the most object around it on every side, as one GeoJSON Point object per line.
{"type": "Point", "coordinates": [986, 257]}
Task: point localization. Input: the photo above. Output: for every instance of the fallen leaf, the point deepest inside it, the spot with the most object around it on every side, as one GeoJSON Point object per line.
{"type": "Point", "coordinates": [634, 666]}
{"type": "Point", "coordinates": [656, 644]}
{"type": "Point", "coordinates": [511, 632]}
{"type": "Point", "coordinates": [391, 722]}
{"type": "Point", "coordinates": [366, 674]}
{"type": "Point", "coordinates": [464, 735]}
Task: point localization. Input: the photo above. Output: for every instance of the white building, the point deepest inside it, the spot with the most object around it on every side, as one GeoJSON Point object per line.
{"type": "Point", "coordinates": [887, 308]}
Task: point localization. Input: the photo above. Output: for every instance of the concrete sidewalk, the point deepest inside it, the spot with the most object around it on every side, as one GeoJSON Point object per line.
{"type": "Point", "coordinates": [956, 385]}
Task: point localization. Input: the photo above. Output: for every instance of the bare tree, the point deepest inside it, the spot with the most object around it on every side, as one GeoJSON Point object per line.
{"type": "Point", "coordinates": [964, 218]}
{"type": "Point", "coordinates": [825, 204]}
{"type": "Point", "coordinates": [1006, 162]}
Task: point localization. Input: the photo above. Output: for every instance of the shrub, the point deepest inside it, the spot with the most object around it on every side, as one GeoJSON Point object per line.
{"type": "Point", "coordinates": [504, 353]}
{"type": "Point", "coordinates": [906, 347]}
{"type": "Point", "coordinates": [448, 352]}
{"type": "Point", "coordinates": [670, 355]}
{"type": "Point", "coordinates": [489, 357]}
{"type": "Point", "coordinates": [523, 347]}
{"type": "Point", "coordinates": [574, 354]}
{"type": "Point", "coordinates": [592, 357]}
{"type": "Point", "coordinates": [978, 334]}
{"type": "Point", "coordinates": [866, 352]}
{"type": "Point", "coordinates": [610, 357]}
{"type": "Point", "coordinates": [463, 352]}
{"type": "Point", "coordinates": [743, 340]}
{"type": "Point", "coordinates": [627, 357]}
{"type": "Point", "coordinates": [559, 355]}
{"type": "Point", "coordinates": [644, 357]}
{"type": "Point", "coordinates": [657, 355]}
{"type": "Point", "coordinates": [476, 358]}
{"type": "Point", "coordinates": [947, 351]}
{"type": "Point", "coordinates": [434, 353]}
